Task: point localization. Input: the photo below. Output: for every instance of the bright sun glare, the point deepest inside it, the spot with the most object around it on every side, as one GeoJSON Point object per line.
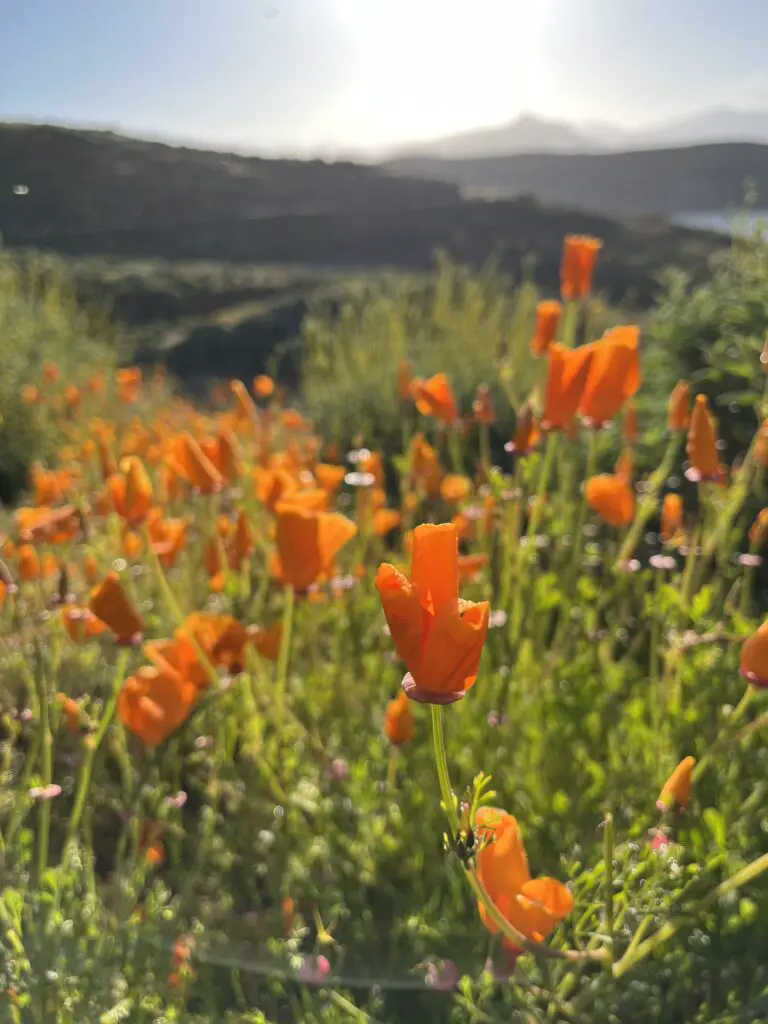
{"type": "Point", "coordinates": [436, 66]}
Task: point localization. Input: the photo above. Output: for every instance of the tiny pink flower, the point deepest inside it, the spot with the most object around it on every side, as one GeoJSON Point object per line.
{"type": "Point", "coordinates": [45, 792]}
{"type": "Point", "coordinates": [178, 800]}
{"type": "Point", "coordinates": [338, 769]}
{"type": "Point", "coordinates": [314, 970]}
{"type": "Point", "coordinates": [442, 976]}
{"type": "Point", "coordinates": [493, 719]}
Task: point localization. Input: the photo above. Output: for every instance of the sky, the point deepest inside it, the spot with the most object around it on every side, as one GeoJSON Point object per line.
{"type": "Point", "coordinates": [325, 76]}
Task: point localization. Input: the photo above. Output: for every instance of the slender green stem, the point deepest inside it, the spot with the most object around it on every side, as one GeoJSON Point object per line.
{"type": "Point", "coordinates": [283, 660]}
{"type": "Point", "coordinates": [44, 826]}
{"type": "Point", "coordinates": [726, 733]}
{"type": "Point", "coordinates": [608, 841]}
{"type": "Point", "coordinates": [648, 503]}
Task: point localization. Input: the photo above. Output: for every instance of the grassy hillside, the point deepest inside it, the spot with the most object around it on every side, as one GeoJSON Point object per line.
{"type": "Point", "coordinates": [660, 181]}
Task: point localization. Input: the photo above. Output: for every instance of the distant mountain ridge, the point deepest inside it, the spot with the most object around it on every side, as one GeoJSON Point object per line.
{"type": "Point", "coordinates": [533, 134]}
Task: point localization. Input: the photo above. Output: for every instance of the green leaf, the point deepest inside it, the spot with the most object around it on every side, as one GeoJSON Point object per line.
{"type": "Point", "coordinates": [715, 822]}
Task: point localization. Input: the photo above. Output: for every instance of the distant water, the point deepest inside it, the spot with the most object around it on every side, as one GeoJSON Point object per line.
{"type": "Point", "coordinates": [725, 221]}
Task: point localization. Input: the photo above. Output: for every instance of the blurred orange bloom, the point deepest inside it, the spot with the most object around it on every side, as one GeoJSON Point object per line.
{"type": "Point", "coordinates": [567, 377]}
{"type": "Point", "coordinates": [71, 713]}
{"type": "Point", "coordinates": [527, 435]}
{"type": "Point", "coordinates": [702, 442]}
{"type": "Point", "coordinates": [761, 446]}
{"type": "Point", "coordinates": [677, 788]}
{"type": "Point", "coordinates": [308, 542]}
{"type": "Point", "coordinates": [72, 396]}
{"type": "Point", "coordinates": [225, 455]}
{"type": "Point", "coordinates": [532, 906]}
{"type": "Point", "coordinates": [612, 498]}
{"type": "Point", "coordinates": [110, 603]}
{"type": "Point", "coordinates": [455, 488]}
{"type": "Point", "coordinates": [470, 566]}
{"type": "Point", "coordinates": [679, 407]}
{"type": "Point", "coordinates": [80, 623]}
{"type": "Point", "coordinates": [52, 525]}
{"type": "Point", "coordinates": [754, 657]}
{"type": "Point", "coordinates": [547, 319]}
{"type": "Point", "coordinates": [263, 386]}
{"type": "Point", "coordinates": [131, 491]}
{"type": "Point", "coordinates": [188, 460]}
{"type": "Point", "coordinates": [152, 705]}
{"type": "Point", "coordinates": [671, 517]}
{"type": "Point", "coordinates": [292, 419]}
{"type": "Point", "coordinates": [758, 533]}
{"type": "Point", "coordinates": [578, 265]}
{"type": "Point", "coordinates": [385, 520]}
{"type": "Point", "coordinates": [625, 466]}
{"type": "Point", "coordinates": [398, 720]}
{"type": "Point", "coordinates": [128, 385]}
{"type": "Point", "coordinates": [434, 398]}
{"type": "Point", "coordinates": [438, 636]}
{"type": "Point", "coordinates": [482, 407]}
{"type": "Point", "coordinates": [29, 564]}
{"type": "Point", "coordinates": [245, 409]}
{"type": "Point", "coordinates": [51, 372]}
{"type": "Point", "coordinates": [267, 641]}
{"type": "Point", "coordinates": [373, 464]}
{"type": "Point", "coordinates": [614, 375]}
{"type": "Point", "coordinates": [273, 485]}
{"type": "Point", "coordinates": [167, 536]}
{"type": "Point", "coordinates": [31, 395]}
{"type": "Point", "coordinates": [404, 380]}
{"type": "Point", "coordinates": [330, 478]}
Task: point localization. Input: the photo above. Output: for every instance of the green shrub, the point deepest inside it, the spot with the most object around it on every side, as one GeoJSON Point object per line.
{"type": "Point", "coordinates": [39, 321]}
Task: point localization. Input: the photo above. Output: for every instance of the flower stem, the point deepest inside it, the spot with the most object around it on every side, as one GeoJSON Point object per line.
{"type": "Point", "coordinates": [285, 647]}
{"type": "Point", "coordinates": [608, 841]}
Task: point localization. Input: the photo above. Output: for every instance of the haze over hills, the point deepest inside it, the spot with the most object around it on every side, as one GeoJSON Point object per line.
{"type": "Point", "coordinates": [533, 134]}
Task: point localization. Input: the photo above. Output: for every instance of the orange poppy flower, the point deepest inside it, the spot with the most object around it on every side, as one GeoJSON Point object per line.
{"type": "Point", "coordinates": [95, 384]}
{"type": "Point", "coordinates": [761, 446]}
{"type": "Point", "coordinates": [225, 456]}
{"type": "Point", "coordinates": [758, 533]}
{"type": "Point", "coordinates": [54, 526]}
{"type": "Point", "coordinates": [133, 545]}
{"type": "Point", "coordinates": [679, 407]}
{"type": "Point", "coordinates": [422, 458]}
{"type": "Point", "coordinates": [30, 395]}
{"type": "Point", "coordinates": [404, 380]}
{"type": "Point", "coordinates": [373, 464]}
{"type": "Point", "coordinates": [80, 623]}
{"type": "Point", "coordinates": [612, 498]}
{"type": "Point", "coordinates": [153, 705]}
{"type": "Point", "coordinates": [384, 521]}
{"type": "Point", "coordinates": [578, 265]}
{"type": "Point", "coordinates": [188, 460]}
{"type": "Point", "coordinates": [398, 720]}
{"type": "Point", "coordinates": [90, 568]}
{"type": "Point", "coordinates": [455, 488]}
{"type": "Point", "coordinates": [51, 372]}
{"type": "Point", "coordinates": [567, 376]}
{"type": "Point", "coordinates": [547, 319]}
{"type": "Point", "coordinates": [532, 906]}
{"type": "Point", "coordinates": [131, 491]}
{"type": "Point", "coordinates": [438, 636]}
{"type": "Point", "coordinates": [308, 543]}
{"type": "Point", "coordinates": [434, 398]}
{"type": "Point", "coordinates": [614, 375]}
{"type": "Point", "coordinates": [329, 478]}
{"type": "Point", "coordinates": [71, 713]}
{"type": "Point", "coordinates": [29, 564]}
{"type": "Point", "coordinates": [245, 409]}
{"type": "Point", "coordinates": [482, 407]}
{"type": "Point", "coordinates": [625, 466]}
{"type": "Point", "coordinates": [470, 566]}
{"type": "Point", "coordinates": [167, 536]}
{"type": "Point", "coordinates": [702, 443]}
{"type": "Point", "coordinates": [677, 788]}
{"type": "Point", "coordinates": [221, 637]}
{"type": "Point", "coordinates": [527, 435]}
{"type": "Point", "coordinates": [110, 603]}
{"type": "Point", "coordinates": [263, 386]}
{"type": "Point", "coordinates": [72, 396]}
{"type": "Point", "coordinates": [291, 419]}
{"type": "Point", "coordinates": [273, 485]}
{"type": "Point", "coordinates": [671, 517]}
{"type": "Point", "coordinates": [267, 641]}
{"type": "Point", "coordinates": [128, 385]}
{"type": "Point", "coordinates": [754, 657]}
